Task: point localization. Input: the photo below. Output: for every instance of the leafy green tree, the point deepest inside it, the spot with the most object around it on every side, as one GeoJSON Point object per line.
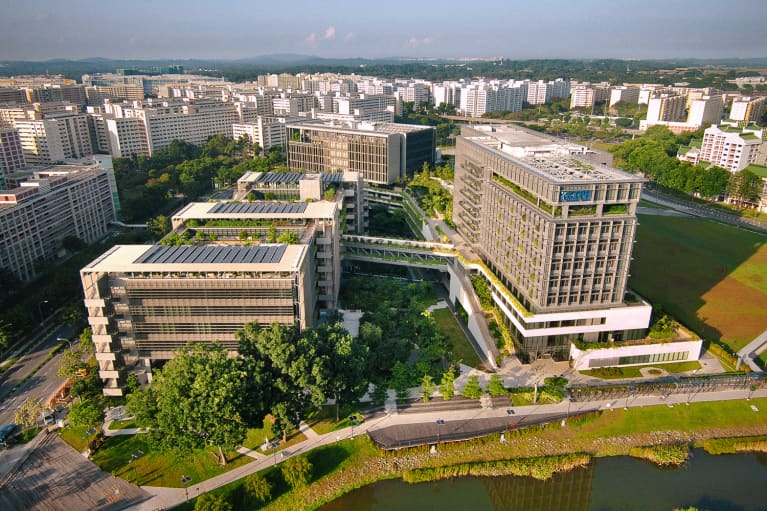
{"type": "Point", "coordinates": [71, 362]}
{"type": "Point", "coordinates": [297, 471]}
{"type": "Point", "coordinates": [288, 238]}
{"type": "Point", "coordinates": [427, 387]}
{"type": "Point", "coordinates": [258, 488]}
{"type": "Point", "coordinates": [159, 226]}
{"type": "Point", "coordinates": [495, 386]}
{"type": "Point", "coordinates": [197, 400]}
{"type": "Point", "coordinates": [5, 334]}
{"type": "Point", "coordinates": [271, 234]}
{"type": "Point", "coordinates": [85, 414]}
{"type": "Point", "coordinates": [212, 502]}
{"type": "Point", "coordinates": [447, 384]}
{"type": "Point", "coordinates": [379, 394]}
{"type": "Point", "coordinates": [28, 413]}
{"type": "Point", "coordinates": [472, 389]}
{"type": "Point", "coordinates": [400, 381]}
{"type": "Point", "coordinates": [339, 366]}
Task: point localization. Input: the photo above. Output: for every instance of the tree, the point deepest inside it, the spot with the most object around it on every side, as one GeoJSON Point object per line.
{"type": "Point", "coordinates": [212, 502]}
{"type": "Point", "coordinates": [271, 234]}
{"type": "Point", "coordinates": [195, 401]}
{"type": "Point", "coordinates": [297, 471]}
{"type": "Point", "coordinates": [73, 243]}
{"type": "Point", "coordinates": [447, 384]}
{"type": "Point", "coordinates": [85, 414]}
{"type": "Point", "coordinates": [400, 381]}
{"type": "Point", "coordinates": [288, 238]}
{"type": "Point", "coordinates": [71, 362]}
{"type": "Point", "coordinates": [427, 387]}
{"type": "Point", "coordinates": [258, 488]}
{"type": "Point", "coordinates": [5, 334]}
{"type": "Point", "coordinates": [29, 413]}
{"type": "Point", "coordinates": [472, 389]}
{"type": "Point", "coordinates": [339, 366]}
{"type": "Point", "coordinates": [159, 226]}
{"type": "Point", "coordinates": [379, 394]}
{"type": "Point", "coordinates": [495, 386]}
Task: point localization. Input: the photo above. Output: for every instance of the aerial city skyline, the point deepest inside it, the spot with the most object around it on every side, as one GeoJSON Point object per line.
{"type": "Point", "coordinates": [257, 256]}
{"type": "Point", "coordinates": [551, 29]}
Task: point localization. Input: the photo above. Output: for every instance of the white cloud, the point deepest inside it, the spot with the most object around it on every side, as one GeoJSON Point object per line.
{"type": "Point", "coordinates": [349, 37]}
{"type": "Point", "coordinates": [415, 42]}
{"type": "Point", "coordinates": [313, 39]}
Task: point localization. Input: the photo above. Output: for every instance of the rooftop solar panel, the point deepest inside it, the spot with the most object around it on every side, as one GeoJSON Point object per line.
{"type": "Point", "coordinates": [187, 254]}
{"type": "Point", "coordinates": [259, 208]}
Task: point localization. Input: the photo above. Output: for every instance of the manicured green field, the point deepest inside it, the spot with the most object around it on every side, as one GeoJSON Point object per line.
{"type": "Point", "coordinates": [710, 276]}
{"type": "Point", "coordinates": [156, 468]}
{"type": "Point", "coordinates": [456, 339]}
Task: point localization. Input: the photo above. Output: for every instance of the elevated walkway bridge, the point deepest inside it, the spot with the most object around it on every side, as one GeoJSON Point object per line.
{"type": "Point", "coordinates": [418, 254]}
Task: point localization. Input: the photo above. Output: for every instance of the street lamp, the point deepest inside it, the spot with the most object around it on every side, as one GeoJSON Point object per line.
{"type": "Point", "coordinates": [40, 310]}
{"type": "Point", "coordinates": [185, 480]}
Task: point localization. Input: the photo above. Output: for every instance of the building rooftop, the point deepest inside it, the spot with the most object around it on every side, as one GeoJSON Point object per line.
{"type": "Point", "coordinates": [295, 177]}
{"type": "Point", "coordinates": [258, 210]}
{"type": "Point", "coordinates": [199, 258]}
{"type": "Point", "coordinates": [183, 254]}
{"type": "Point", "coordinates": [549, 157]}
{"type": "Point", "coordinates": [758, 170]}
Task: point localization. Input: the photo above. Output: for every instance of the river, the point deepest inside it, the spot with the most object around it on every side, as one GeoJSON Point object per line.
{"type": "Point", "coordinates": [711, 483]}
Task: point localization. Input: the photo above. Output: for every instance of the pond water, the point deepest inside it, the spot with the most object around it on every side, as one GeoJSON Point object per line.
{"type": "Point", "coordinates": [711, 483]}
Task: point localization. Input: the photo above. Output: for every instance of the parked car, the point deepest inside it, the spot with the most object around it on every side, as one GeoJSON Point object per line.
{"type": "Point", "coordinates": [6, 431]}
{"type": "Point", "coordinates": [48, 418]}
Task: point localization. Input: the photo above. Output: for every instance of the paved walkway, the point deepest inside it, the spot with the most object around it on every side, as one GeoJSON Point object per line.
{"type": "Point", "coordinates": [753, 349]}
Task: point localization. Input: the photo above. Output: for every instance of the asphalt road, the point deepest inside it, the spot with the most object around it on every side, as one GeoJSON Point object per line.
{"type": "Point", "coordinates": [41, 386]}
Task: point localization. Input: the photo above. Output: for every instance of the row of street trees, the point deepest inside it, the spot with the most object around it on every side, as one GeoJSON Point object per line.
{"type": "Point", "coordinates": [204, 398]}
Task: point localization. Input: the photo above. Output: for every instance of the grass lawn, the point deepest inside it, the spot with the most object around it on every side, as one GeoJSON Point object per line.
{"type": "Point", "coordinates": [703, 415]}
{"type": "Point", "coordinates": [713, 278]}
{"type": "Point", "coordinates": [255, 437]}
{"type": "Point", "coordinates": [763, 358]}
{"type": "Point", "coordinates": [76, 437]}
{"type": "Point", "coordinates": [125, 424]}
{"type": "Point", "coordinates": [456, 339]}
{"type": "Point", "coordinates": [324, 420]}
{"type": "Point", "coordinates": [614, 373]}
{"type": "Point", "coordinates": [156, 468]}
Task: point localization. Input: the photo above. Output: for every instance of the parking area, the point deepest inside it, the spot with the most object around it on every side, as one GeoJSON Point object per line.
{"type": "Point", "coordinates": [55, 477]}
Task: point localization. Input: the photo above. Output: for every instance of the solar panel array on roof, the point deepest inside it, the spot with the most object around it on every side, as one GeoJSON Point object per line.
{"type": "Point", "coordinates": [187, 254]}
{"type": "Point", "coordinates": [332, 177]}
{"type": "Point", "coordinates": [280, 177]}
{"type": "Point", "coordinates": [259, 207]}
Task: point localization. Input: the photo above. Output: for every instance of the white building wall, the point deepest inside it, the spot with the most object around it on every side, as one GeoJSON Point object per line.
{"type": "Point", "coordinates": [608, 357]}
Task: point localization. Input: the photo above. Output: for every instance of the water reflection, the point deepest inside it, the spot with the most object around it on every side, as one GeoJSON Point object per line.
{"type": "Point", "coordinates": [711, 483]}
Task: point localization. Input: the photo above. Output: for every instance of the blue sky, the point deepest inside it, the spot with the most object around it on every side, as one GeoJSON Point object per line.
{"type": "Point", "coordinates": [168, 29]}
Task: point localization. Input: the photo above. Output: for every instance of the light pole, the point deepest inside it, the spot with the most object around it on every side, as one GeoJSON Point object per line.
{"type": "Point", "coordinates": [40, 310]}
{"type": "Point", "coordinates": [185, 480]}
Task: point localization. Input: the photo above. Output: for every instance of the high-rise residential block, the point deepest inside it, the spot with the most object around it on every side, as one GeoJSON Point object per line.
{"type": "Point", "coordinates": [55, 203]}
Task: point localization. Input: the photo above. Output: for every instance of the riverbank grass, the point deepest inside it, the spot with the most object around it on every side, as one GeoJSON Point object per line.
{"type": "Point", "coordinates": [350, 464]}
